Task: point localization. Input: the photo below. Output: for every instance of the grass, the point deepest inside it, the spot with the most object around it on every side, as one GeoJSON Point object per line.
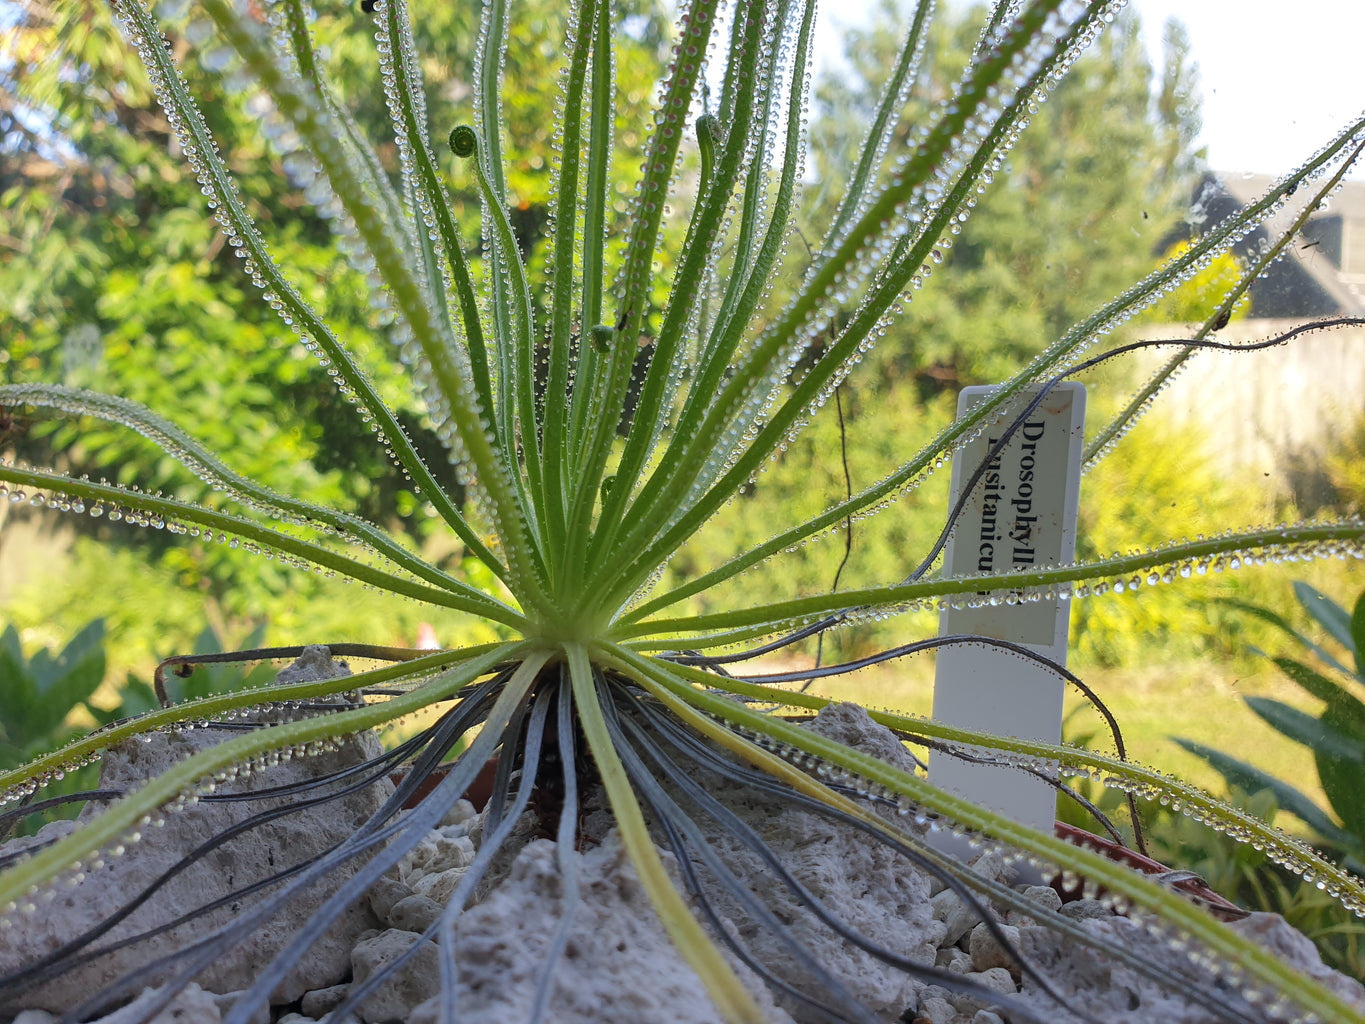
{"type": "Point", "coordinates": [1199, 700]}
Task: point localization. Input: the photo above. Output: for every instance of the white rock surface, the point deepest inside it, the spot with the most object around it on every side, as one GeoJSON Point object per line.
{"type": "Point", "coordinates": [1116, 994]}
{"type": "Point", "coordinates": [413, 983]}
{"type": "Point", "coordinates": [866, 885]}
{"type": "Point", "coordinates": [192, 1005]}
{"type": "Point", "coordinates": [619, 966]}
{"type": "Point", "coordinates": [247, 858]}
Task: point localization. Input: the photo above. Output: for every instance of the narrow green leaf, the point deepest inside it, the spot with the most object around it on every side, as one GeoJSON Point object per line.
{"type": "Point", "coordinates": [1324, 689]}
{"type": "Point", "coordinates": [1314, 733]}
{"type": "Point", "coordinates": [249, 38]}
{"type": "Point", "coordinates": [1283, 624]}
{"type": "Point", "coordinates": [179, 513]}
{"type": "Point", "coordinates": [1254, 780]}
{"type": "Point", "coordinates": [178, 101]}
{"type": "Point", "coordinates": [1358, 635]}
{"type": "Point", "coordinates": [1195, 558]}
{"type": "Point", "coordinates": [1343, 776]}
{"type": "Point", "coordinates": [1326, 613]}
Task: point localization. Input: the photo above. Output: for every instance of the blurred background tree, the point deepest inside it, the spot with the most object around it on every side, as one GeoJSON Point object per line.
{"type": "Point", "coordinates": [1084, 205]}
{"type": "Point", "coordinates": [110, 257]}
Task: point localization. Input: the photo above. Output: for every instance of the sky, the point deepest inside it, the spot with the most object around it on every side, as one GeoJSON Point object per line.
{"type": "Point", "coordinates": [1277, 79]}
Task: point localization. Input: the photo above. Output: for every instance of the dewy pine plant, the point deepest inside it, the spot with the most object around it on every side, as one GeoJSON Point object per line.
{"type": "Point", "coordinates": [589, 460]}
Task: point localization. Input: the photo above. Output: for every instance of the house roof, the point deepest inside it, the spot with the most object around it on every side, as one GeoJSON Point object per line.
{"type": "Point", "coordinates": [1347, 202]}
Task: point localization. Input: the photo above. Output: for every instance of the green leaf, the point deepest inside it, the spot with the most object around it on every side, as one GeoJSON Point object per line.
{"type": "Point", "coordinates": [1324, 689]}
{"type": "Point", "coordinates": [1326, 612]}
{"type": "Point", "coordinates": [18, 700]}
{"type": "Point", "coordinates": [1358, 634]}
{"type": "Point", "coordinates": [9, 644]}
{"type": "Point", "coordinates": [1310, 731]}
{"type": "Point", "coordinates": [1253, 780]}
{"type": "Point", "coordinates": [1343, 778]}
{"type": "Point", "coordinates": [1282, 623]}
{"type": "Point", "coordinates": [37, 695]}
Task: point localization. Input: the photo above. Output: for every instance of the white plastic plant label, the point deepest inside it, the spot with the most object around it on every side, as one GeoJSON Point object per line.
{"type": "Point", "coordinates": [1022, 514]}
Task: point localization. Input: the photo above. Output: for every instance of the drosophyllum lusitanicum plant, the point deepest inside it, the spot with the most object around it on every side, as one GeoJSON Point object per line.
{"type": "Point", "coordinates": [588, 462]}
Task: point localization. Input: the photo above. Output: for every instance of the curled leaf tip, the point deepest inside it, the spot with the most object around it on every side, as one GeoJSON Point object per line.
{"type": "Point", "coordinates": [463, 140]}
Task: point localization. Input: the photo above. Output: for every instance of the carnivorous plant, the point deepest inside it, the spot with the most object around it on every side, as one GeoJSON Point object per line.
{"type": "Point", "coordinates": [600, 411]}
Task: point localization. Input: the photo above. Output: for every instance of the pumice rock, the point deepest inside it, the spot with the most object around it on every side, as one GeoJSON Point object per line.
{"type": "Point", "coordinates": [243, 860]}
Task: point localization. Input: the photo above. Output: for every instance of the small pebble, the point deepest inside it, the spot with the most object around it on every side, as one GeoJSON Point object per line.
{"type": "Point", "coordinates": [459, 815]}
{"type": "Point", "coordinates": [320, 1002]}
{"type": "Point", "coordinates": [386, 892]}
{"type": "Point", "coordinates": [415, 982]}
{"type": "Point", "coordinates": [956, 915]}
{"type": "Point", "coordinates": [1081, 910]}
{"type": "Point", "coordinates": [995, 866]}
{"type": "Point", "coordinates": [997, 979]}
{"type": "Point", "coordinates": [936, 1011]}
{"type": "Point", "coordinates": [1044, 895]}
{"type": "Point", "coordinates": [985, 948]}
{"type": "Point", "coordinates": [953, 959]}
{"type": "Point", "coordinates": [416, 913]}
{"type": "Point", "coordinates": [441, 885]}
{"type": "Point", "coordinates": [226, 1001]}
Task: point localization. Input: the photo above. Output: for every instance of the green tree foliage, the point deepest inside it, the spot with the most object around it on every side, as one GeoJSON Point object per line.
{"type": "Point", "coordinates": [110, 258]}
{"type": "Point", "coordinates": [1089, 193]}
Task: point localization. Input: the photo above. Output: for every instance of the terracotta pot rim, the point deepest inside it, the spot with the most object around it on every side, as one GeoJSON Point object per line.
{"type": "Point", "coordinates": [1195, 888]}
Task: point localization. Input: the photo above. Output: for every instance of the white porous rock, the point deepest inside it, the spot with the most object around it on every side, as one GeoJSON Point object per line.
{"type": "Point", "coordinates": [1296, 949]}
{"type": "Point", "coordinates": [851, 725]}
{"type": "Point", "coordinates": [957, 917]}
{"type": "Point", "coordinates": [1116, 994]}
{"type": "Point", "coordinates": [1043, 895]}
{"type": "Point", "coordinates": [226, 1003]}
{"type": "Point", "coordinates": [986, 951]}
{"type": "Point", "coordinates": [619, 966]}
{"type": "Point", "coordinates": [437, 853]}
{"type": "Point", "coordinates": [317, 1004]}
{"type": "Point", "coordinates": [416, 981]}
{"type": "Point", "coordinates": [995, 979]}
{"type": "Point", "coordinates": [417, 913]}
{"type": "Point", "coordinates": [247, 858]}
{"type": "Point", "coordinates": [953, 959]}
{"type": "Point", "coordinates": [385, 893]}
{"type": "Point", "coordinates": [191, 1005]}
{"type": "Point", "coordinates": [936, 1010]}
{"type": "Point", "coordinates": [865, 884]}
